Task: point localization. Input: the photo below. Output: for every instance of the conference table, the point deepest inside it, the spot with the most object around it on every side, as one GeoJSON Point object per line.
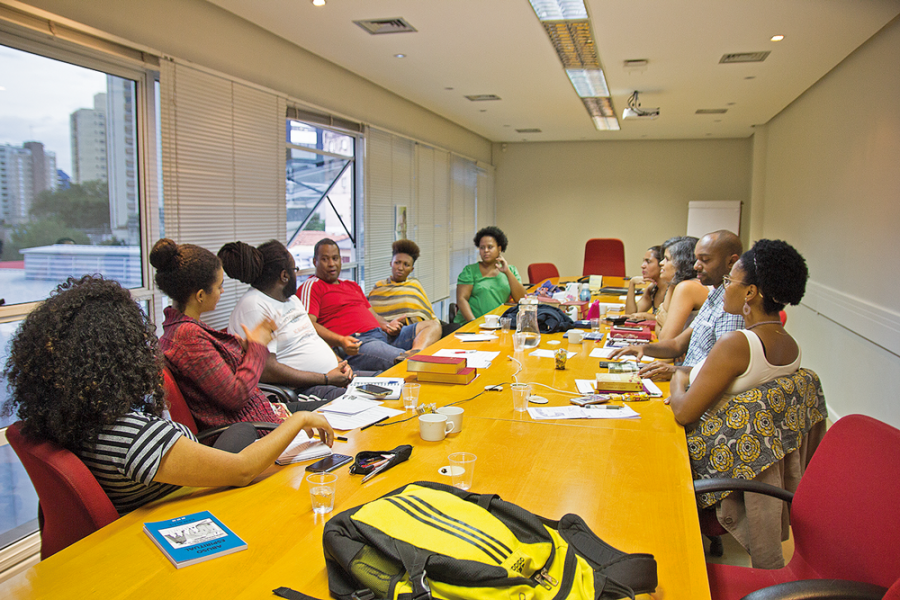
{"type": "Point", "coordinates": [628, 478]}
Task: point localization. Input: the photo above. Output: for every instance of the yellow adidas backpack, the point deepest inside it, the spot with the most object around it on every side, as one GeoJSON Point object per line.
{"type": "Point", "coordinates": [429, 540]}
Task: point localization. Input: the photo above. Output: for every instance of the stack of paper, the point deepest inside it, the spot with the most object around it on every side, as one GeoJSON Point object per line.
{"type": "Point", "coordinates": [353, 413]}
{"type": "Point", "coordinates": [605, 411]}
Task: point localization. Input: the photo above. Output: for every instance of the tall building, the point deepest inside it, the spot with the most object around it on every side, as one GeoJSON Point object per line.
{"type": "Point", "coordinates": [120, 156]}
{"type": "Point", "coordinates": [88, 131]}
{"type": "Point", "coordinates": [24, 172]}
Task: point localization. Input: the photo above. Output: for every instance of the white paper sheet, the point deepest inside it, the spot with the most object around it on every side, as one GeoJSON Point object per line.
{"type": "Point", "coordinates": [550, 354]}
{"type": "Point", "coordinates": [605, 411]}
{"type": "Point", "coordinates": [349, 405]}
{"type": "Point", "coordinates": [606, 352]}
{"type": "Point", "coordinates": [366, 417]}
{"type": "Point", "coordinates": [303, 448]}
{"type": "Point", "coordinates": [476, 337]}
{"type": "Point", "coordinates": [477, 359]}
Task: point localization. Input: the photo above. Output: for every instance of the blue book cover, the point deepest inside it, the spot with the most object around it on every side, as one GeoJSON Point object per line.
{"type": "Point", "coordinates": [193, 538]}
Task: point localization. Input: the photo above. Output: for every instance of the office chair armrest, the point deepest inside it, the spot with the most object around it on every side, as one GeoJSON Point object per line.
{"type": "Point", "coordinates": [819, 589]}
{"type": "Point", "coordinates": [280, 393]}
{"type": "Point", "coordinates": [721, 484]}
{"type": "Point", "coordinates": [260, 426]}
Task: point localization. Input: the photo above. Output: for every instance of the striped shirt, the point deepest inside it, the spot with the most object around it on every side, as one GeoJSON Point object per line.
{"type": "Point", "coordinates": [406, 299]}
{"type": "Point", "coordinates": [711, 323]}
{"type": "Point", "coordinates": [126, 456]}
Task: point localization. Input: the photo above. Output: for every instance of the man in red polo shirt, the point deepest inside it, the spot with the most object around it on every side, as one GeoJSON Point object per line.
{"type": "Point", "coordinates": [344, 318]}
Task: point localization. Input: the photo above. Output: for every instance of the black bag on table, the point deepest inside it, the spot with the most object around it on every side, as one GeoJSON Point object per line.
{"type": "Point", "coordinates": [430, 540]}
{"type": "Point", "coordinates": [550, 319]}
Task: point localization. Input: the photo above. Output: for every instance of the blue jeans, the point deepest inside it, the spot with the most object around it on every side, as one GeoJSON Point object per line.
{"type": "Point", "coordinates": [377, 351]}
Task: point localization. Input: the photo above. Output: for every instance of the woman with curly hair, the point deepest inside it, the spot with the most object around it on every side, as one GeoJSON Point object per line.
{"type": "Point", "coordinates": [85, 373]}
{"type": "Point", "coordinates": [768, 276]}
{"type": "Point", "coordinates": [216, 372]}
{"type": "Point", "coordinates": [482, 287]}
{"type": "Point", "coordinates": [684, 293]}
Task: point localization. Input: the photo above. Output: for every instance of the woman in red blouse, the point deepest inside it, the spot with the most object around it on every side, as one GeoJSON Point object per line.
{"type": "Point", "coordinates": [217, 372]}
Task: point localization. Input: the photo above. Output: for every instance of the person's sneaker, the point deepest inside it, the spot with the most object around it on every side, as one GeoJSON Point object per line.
{"type": "Point", "coordinates": [401, 357]}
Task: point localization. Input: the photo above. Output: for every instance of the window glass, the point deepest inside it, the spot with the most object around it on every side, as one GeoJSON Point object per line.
{"type": "Point", "coordinates": [320, 192]}
{"type": "Point", "coordinates": [69, 202]}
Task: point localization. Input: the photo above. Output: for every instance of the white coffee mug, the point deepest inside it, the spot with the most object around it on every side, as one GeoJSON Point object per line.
{"type": "Point", "coordinates": [575, 336]}
{"type": "Point", "coordinates": [492, 320]}
{"type": "Point", "coordinates": [434, 427]}
{"type": "Point", "coordinates": [454, 415]}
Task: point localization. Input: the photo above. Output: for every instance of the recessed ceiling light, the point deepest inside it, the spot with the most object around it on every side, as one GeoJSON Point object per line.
{"type": "Point", "coordinates": [559, 10]}
{"type": "Point", "coordinates": [448, 88]}
{"type": "Point", "coordinates": [399, 56]}
{"type": "Point", "coordinates": [750, 77]}
{"type": "Point", "coordinates": [777, 38]}
{"type": "Point", "coordinates": [318, 2]}
{"type": "Point", "coordinates": [588, 83]}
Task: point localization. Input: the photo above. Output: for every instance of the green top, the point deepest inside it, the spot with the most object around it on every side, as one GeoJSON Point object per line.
{"type": "Point", "coordinates": [487, 292]}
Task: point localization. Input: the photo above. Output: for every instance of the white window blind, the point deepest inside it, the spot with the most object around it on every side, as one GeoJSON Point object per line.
{"type": "Point", "coordinates": [462, 216]}
{"type": "Point", "coordinates": [485, 196]}
{"type": "Point", "coordinates": [432, 221]}
{"type": "Point", "coordinates": [223, 165]}
{"type": "Point", "coordinates": [389, 179]}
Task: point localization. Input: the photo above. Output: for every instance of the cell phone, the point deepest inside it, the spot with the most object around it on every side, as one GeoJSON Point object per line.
{"type": "Point", "coordinates": [374, 390]}
{"type": "Point", "coordinates": [329, 463]}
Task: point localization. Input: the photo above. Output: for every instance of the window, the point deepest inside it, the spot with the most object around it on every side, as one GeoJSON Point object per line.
{"type": "Point", "coordinates": [320, 191]}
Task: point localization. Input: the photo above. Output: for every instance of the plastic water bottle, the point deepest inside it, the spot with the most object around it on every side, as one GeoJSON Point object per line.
{"type": "Point", "coordinates": [585, 295]}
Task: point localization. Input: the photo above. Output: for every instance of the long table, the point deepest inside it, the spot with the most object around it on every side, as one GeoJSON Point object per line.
{"type": "Point", "coordinates": [629, 479]}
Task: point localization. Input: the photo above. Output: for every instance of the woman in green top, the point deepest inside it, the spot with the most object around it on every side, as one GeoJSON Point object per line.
{"type": "Point", "coordinates": [484, 286]}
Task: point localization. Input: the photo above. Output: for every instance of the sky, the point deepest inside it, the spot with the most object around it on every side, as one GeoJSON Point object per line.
{"type": "Point", "coordinates": [37, 95]}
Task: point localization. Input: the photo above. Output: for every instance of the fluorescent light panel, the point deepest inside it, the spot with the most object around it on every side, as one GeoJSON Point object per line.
{"type": "Point", "coordinates": [588, 83]}
{"type": "Point", "coordinates": [559, 10]}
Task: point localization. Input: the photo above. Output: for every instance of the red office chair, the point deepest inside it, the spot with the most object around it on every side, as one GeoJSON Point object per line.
{"type": "Point", "coordinates": [72, 503]}
{"type": "Point", "coordinates": [604, 256]}
{"type": "Point", "coordinates": [844, 523]}
{"type": "Point", "coordinates": [538, 272]}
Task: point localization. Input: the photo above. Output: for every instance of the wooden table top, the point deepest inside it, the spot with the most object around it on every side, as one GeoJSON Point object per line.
{"type": "Point", "coordinates": [629, 479]}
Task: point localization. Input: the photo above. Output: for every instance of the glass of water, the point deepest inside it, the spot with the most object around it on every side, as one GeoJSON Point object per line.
{"type": "Point", "coordinates": [321, 491]}
{"type": "Point", "coordinates": [410, 395]}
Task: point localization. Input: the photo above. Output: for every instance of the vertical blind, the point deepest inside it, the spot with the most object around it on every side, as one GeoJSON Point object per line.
{"type": "Point", "coordinates": [223, 165]}
{"type": "Point", "coordinates": [439, 191]}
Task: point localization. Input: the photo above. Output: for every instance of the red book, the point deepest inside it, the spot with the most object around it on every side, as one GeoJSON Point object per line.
{"type": "Point", "coordinates": [435, 364]}
{"type": "Point", "coordinates": [462, 378]}
{"type": "Point", "coordinates": [627, 334]}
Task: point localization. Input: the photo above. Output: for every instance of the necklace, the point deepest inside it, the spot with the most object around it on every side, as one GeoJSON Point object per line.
{"type": "Point", "coordinates": [763, 323]}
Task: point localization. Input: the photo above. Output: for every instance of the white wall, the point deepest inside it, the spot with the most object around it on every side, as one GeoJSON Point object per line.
{"type": "Point", "coordinates": [203, 33]}
{"type": "Point", "coordinates": [553, 197]}
{"type": "Point", "coordinates": [832, 188]}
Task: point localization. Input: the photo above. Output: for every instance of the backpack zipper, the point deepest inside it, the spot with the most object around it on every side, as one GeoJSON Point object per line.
{"type": "Point", "coordinates": [545, 579]}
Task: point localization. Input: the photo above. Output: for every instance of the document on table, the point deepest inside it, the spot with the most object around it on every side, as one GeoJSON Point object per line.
{"type": "Point", "coordinates": [476, 337]}
{"type": "Point", "coordinates": [604, 411]}
{"type": "Point", "coordinates": [360, 419]}
{"type": "Point", "coordinates": [303, 448]}
{"type": "Point", "coordinates": [349, 405]}
{"type": "Point", "coordinates": [586, 386]}
{"type": "Point", "coordinates": [550, 354]}
{"type": "Point", "coordinates": [477, 359]}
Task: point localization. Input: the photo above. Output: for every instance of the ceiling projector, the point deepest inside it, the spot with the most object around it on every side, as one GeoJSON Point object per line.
{"type": "Point", "coordinates": [640, 113]}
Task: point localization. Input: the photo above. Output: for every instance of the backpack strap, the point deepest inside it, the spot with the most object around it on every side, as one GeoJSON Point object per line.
{"type": "Point", "coordinates": [414, 560]}
{"type": "Point", "coordinates": [286, 592]}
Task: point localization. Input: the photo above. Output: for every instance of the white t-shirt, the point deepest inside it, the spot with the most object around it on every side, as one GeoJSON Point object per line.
{"type": "Point", "coordinates": [295, 342]}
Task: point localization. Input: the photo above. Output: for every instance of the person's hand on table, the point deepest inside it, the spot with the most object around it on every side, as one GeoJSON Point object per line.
{"type": "Point", "coordinates": [350, 345]}
{"type": "Point", "coordinates": [341, 375]}
{"type": "Point", "coordinates": [636, 350]}
{"type": "Point", "coordinates": [640, 316]}
{"type": "Point", "coordinates": [680, 381]}
{"type": "Point", "coordinates": [658, 371]}
{"type": "Point", "coordinates": [316, 423]}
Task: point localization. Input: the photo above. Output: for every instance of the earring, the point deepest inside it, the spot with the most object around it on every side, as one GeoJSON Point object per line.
{"type": "Point", "coordinates": [746, 309]}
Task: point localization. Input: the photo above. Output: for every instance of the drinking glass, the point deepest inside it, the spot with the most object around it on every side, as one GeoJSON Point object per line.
{"type": "Point", "coordinates": [521, 392]}
{"type": "Point", "coordinates": [410, 395]}
{"type": "Point", "coordinates": [321, 491]}
{"type": "Point", "coordinates": [462, 469]}
{"type": "Point", "coordinates": [595, 325]}
{"type": "Point", "coordinates": [519, 341]}
{"type": "Point", "coordinates": [505, 324]}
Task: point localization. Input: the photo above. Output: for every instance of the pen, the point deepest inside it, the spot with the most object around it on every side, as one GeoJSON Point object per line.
{"type": "Point", "coordinates": [377, 470]}
{"type": "Point", "coordinates": [339, 438]}
{"type": "Point", "coordinates": [375, 423]}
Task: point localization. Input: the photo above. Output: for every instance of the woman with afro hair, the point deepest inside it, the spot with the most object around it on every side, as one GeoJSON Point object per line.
{"type": "Point", "coordinates": [765, 279]}
{"type": "Point", "coordinates": [85, 373]}
{"type": "Point", "coordinates": [485, 285]}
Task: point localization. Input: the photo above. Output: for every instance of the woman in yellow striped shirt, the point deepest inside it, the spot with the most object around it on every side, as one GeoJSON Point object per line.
{"type": "Point", "coordinates": [399, 298]}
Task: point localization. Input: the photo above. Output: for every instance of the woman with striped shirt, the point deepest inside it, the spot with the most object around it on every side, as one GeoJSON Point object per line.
{"type": "Point", "coordinates": [85, 373]}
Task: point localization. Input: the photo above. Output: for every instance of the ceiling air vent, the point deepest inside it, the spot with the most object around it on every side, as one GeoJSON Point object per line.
{"type": "Point", "coordinates": [483, 97]}
{"type": "Point", "coordinates": [711, 111]}
{"type": "Point", "coordinates": [528, 130]}
{"type": "Point", "coordinates": [744, 57]}
{"type": "Point", "coordinates": [379, 26]}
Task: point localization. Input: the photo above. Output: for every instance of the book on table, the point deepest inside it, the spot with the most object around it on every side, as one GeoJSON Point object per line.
{"type": "Point", "coordinates": [619, 382]}
{"type": "Point", "coordinates": [193, 538]}
{"type": "Point", "coordinates": [464, 377]}
{"type": "Point", "coordinates": [435, 364]}
{"type": "Point", "coordinates": [303, 448]}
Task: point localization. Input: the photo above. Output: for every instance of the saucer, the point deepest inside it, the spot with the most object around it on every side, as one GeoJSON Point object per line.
{"type": "Point", "coordinates": [490, 327]}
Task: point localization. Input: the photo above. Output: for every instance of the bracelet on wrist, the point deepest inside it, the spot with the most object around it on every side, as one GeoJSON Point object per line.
{"type": "Point", "coordinates": [326, 378]}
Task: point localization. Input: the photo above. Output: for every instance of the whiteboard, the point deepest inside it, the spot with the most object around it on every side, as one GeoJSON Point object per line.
{"type": "Point", "coordinates": [708, 216]}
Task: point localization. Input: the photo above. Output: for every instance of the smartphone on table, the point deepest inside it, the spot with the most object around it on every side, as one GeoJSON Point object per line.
{"type": "Point", "coordinates": [329, 463]}
{"type": "Point", "coordinates": [376, 391]}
